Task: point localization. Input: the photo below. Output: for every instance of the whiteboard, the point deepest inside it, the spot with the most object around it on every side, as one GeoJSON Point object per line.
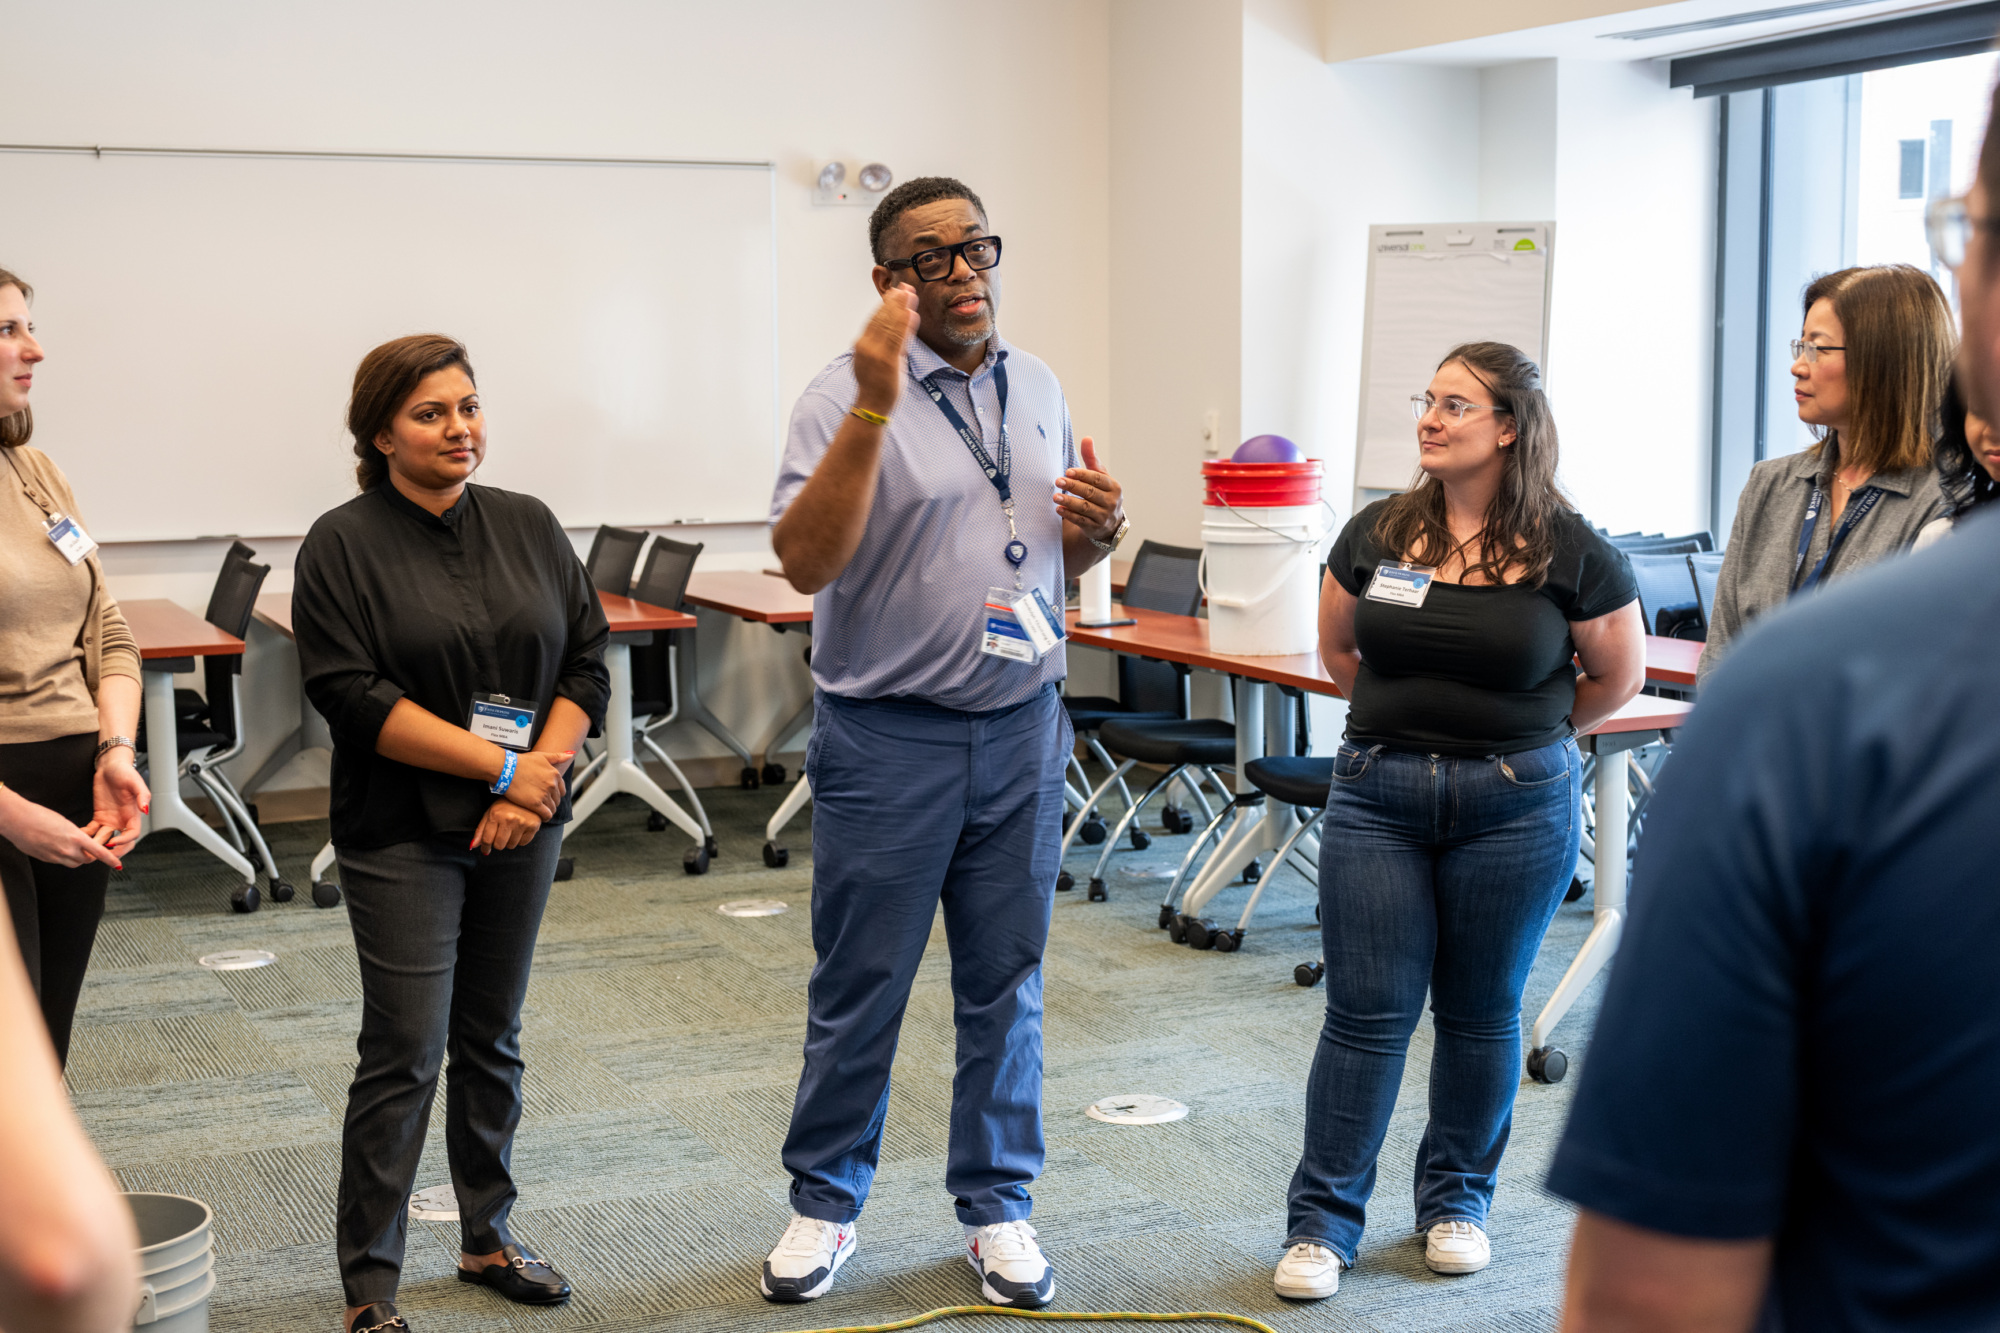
{"type": "Point", "coordinates": [203, 314]}
{"type": "Point", "coordinates": [1431, 288]}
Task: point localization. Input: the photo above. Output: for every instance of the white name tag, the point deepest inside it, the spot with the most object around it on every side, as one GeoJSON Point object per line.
{"type": "Point", "coordinates": [1401, 584]}
{"type": "Point", "coordinates": [1043, 623]}
{"type": "Point", "coordinates": [69, 538]}
{"type": "Point", "coordinates": [499, 719]}
{"type": "Point", "coordinates": [1002, 633]}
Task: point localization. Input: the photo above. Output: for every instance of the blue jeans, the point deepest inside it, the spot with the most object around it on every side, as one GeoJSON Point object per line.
{"type": "Point", "coordinates": [1439, 874]}
{"type": "Point", "coordinates": [914, 805]}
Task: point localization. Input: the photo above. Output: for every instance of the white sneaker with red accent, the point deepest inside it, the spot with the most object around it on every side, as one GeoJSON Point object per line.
{"type": "Point", "coordinates": [1457, 1246]}
{"type": "Point", "coordinates": [808, 1255]}
{"type": "Point", "coordinates": [1012, 1269]}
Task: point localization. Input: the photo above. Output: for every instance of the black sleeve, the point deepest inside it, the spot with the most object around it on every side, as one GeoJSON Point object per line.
{"type": "Point", "coordinates": [1590, 576]}
{"type": "Point", "coordinates": [584, 680]}
{"type": "Point", "coordinates": [336, 662]}
{"type": "Point", "coordinates": [1354, 555]}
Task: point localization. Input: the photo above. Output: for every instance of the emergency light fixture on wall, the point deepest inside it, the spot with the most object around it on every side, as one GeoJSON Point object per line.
{"type": "Point", "coordinates": [832, 186]}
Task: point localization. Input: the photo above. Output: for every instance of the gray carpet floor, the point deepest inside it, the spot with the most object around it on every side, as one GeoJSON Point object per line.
{"type": "Point", "coordinates": [662, 1042]}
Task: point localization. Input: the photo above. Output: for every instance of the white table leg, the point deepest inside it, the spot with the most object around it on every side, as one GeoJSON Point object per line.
{"type": "Point", "coordinates": [1255, 830]}
{"type": "Point", "coordinates": [1596, 952]}
{"type": "Point", "coordinates": [621, 771]}
{"type": "Point", "coordinates": [163, 761]}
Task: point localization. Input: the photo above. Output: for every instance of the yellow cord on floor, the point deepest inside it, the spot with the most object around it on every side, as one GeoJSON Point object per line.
{"type": "Point", "coordinates": [1064, 1316]}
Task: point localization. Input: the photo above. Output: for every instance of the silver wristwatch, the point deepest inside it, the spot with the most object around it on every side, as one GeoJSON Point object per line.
{"type": "Point", "coordinates": [1124, 526]}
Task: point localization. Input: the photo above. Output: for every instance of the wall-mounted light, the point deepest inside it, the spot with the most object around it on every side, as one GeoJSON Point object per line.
{"type": "Point", "coordinates": [830, 187]}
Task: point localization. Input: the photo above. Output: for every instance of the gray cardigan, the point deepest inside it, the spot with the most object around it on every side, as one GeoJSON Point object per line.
{"type": "Point", "coordinates": [1757, 571]}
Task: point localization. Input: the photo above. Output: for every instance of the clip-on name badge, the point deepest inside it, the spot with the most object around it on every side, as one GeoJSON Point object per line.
{"type": "Point", "coordinates": [1401, 584]}
{"type": "Point", "coordinates": [499, 719]}
{"type": "Point", "coordinates": [1019, 626]}
{"type": "Point", "coordinates": [68, 537]}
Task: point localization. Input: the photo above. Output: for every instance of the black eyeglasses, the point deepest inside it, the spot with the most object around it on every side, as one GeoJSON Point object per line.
{"type": "Point", "coordinates": [981, 252]}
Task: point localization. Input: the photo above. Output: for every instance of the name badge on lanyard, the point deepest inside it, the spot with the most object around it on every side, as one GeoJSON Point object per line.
{"type": "Point", "coordinates": [1400, 583]}
{"type": "Point", "coordinates": [1021, 627]}
{"type": "Point", "coordinates": [499, 719]}
{"type": "Point", "coordinates": [1858, 506]}
{"type": "Point", "coordinates": [67, 536]}
{"type": "Point", "coordinates": [1000, 472]}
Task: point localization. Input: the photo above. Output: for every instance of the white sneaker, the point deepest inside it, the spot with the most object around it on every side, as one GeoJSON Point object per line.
{"type": "Point", "coordinates": [1011, 1267]}
{"type": "Point", "coordinates": [808, 1255]}
{"type": "Point", "coordinates": [1308, 1272]}
{"type": "Point", "coordinates": [1457, 1247]}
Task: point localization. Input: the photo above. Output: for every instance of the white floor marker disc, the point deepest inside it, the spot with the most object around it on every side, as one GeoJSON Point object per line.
{"type": "Point", "coordinates": [439, 1203]}
{"type": "Point", "coordinates": [752, 907]}
{"type": "Point", "coordinates": [237, 960]}
{"type": "Point", "coordinates": [1140, 1108]}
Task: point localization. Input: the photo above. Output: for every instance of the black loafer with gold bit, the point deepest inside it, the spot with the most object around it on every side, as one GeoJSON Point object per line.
{"type": "Point", "coordinates": [381, 1317]}
{"type": "Point", "coordinates": [523, 1278]}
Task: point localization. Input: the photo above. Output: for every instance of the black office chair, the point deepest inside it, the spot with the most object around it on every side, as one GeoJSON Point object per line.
{"type": "Point", "coordinates": [1163, 578]}
{"type": "Point", "coordinates": [656, 680]}
{"type": "Point", "coordinates": [1295, 780]}
{"type": "Point", "coordinates": [614, 554]}
{"type": "Point", "coordinates": [1706, 568]}
{"type": "Point", "coordinates": [1695, 541]}
{"type": "Point", "coordinates": [1177, 744]}
{"type": "Point", "coordinates": [208, 730]}
{"type": "Point", "coordinates": [1668, 601]}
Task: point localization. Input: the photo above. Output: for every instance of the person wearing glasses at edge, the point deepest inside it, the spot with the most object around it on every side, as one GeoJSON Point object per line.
{"type": "Point", "coordinates": [914, 503]}
{"type": "Point", "coordinates": [450, 637]}
{"type": "Point", "coordinates": [70, 795]}
{"type": "Point", "coordinates": [1452, 617]}
{"type": "Point", "coordinates": [1870, 366]}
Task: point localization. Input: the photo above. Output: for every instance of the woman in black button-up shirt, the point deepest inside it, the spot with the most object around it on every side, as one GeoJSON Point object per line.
{"type": "Point", "coordinates": [415, 601]}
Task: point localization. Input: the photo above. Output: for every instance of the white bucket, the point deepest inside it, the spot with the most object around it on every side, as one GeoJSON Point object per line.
{"type": "Point", "coordinates": [176, 1262]}
{"type": "Point", "coordinates": [1260, 571]}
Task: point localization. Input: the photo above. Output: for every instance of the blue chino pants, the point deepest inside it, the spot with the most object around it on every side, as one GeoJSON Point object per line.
{"type": "Point", "coordinates": [1436, 875]}
{"type": "Point", "coordinates": [916, 805]}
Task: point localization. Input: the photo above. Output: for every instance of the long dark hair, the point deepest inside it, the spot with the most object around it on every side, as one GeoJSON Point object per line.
{"type": "Point", "coordinates": [16, 429]}
{"type": "Point", "coordinates": [383, 382]}
{"type": "Point", "coordinates": [1897, 329]}
{"type": "Point", "coordinates": [1963, 480]}
{"type": "Point", "coordinates": [1519, 532]}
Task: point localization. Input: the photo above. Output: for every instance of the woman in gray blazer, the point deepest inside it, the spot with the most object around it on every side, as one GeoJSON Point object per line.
{"type": "Point", "coordinates": [1871, 367]}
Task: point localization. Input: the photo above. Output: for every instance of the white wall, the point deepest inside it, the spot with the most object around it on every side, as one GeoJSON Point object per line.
{"type": "Point", "coordinates": [1011, 98]}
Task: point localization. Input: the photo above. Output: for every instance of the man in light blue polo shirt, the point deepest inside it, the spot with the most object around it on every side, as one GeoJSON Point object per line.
{"type": "Point", "coordinates": [931, 500]}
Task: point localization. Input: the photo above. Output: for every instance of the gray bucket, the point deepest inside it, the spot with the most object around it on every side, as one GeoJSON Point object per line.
{"type": "Point", "coordinates": [176, 1262]}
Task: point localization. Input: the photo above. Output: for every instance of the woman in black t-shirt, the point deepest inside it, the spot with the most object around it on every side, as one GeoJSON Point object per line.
{"type": "Point", "coordinates": [1451, 617]}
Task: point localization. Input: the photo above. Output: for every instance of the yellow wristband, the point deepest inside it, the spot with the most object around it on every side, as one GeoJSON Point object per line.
{"type": "Point", "coordinates": [872, 418]}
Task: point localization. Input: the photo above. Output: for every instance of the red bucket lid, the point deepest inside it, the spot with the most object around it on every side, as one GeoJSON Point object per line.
{"type": "Point", "coordinates": [1260, 485]}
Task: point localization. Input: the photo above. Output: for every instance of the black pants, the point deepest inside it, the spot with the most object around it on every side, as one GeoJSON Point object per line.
{"type": "Point", "coordinates": [55, 908]}
{"type": "Point", "coordinates": [445, 937]}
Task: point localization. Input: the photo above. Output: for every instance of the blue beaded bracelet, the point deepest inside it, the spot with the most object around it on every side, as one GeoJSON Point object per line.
{"type": "Point", "coordinates": [506, 778]}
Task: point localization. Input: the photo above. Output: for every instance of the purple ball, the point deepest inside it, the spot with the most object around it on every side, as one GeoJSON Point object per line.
{"type": "Point", "coordinates": [1268, 449]}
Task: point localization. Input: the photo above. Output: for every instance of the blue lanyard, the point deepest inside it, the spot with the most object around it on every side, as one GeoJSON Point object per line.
{"type": "Point", "coordinates": [1001, 473]}
{"type": "Point", "coordinates": [1857, 509]}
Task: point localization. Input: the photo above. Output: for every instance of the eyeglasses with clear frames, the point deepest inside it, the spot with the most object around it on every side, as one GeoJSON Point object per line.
{"type": "Point", "coordinates": [1809, 352]}
{"type": "Point", "coordinates": [981, 252]}
{"type": "Point", "coordinates": [1949, 225]}
{"type": "Point", "coordinates": [1452, 408]}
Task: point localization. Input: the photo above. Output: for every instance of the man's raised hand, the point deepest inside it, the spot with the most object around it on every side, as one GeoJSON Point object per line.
{"type": "Point", "coordinates": [878, 352]}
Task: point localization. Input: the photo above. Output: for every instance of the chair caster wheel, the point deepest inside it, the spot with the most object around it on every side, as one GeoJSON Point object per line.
{"type": "Point", "coordinates": [1097, 892]}
{"type": "Point", "coordinates": [1094, 831]}
{"type": "Point", "coordinates": [773, 775]}
{"type": "Point", "coordinates": [775, 856]}
{"type": "Point", "coordinates": [1201, 933]}
{"type": "Point", "coordinates": [1065, 882]}
{"type": "Point", "coordinates": [256, 819]}
{"type": "Point", "coordinates": [708, 845]}
{"type": "Point", "coordinates": [1166, 918]}
{"type": "Point", "coordinates": [695, 860]}
{"type": "Point", "coordinates": [748, 777]}
{"type": "Point", "coordinates": [282, 892]}
{"type": "Point", "coordinates": [656, 822]}
{"type": "Point", "coordinates": [1575, 890]}
{"type": "Point", "coordinates": [1228, 941]}
{"type": "Point", "coordinates": [1141, 839]}
{"type": "Point", "coordinates": [1176, 820]}
{"type": "Point", "coordinates": [326, 893]}
{"type": "Point", "coordinates": [1178, 931]}
{"type": "Point", "coordinates": [1069, 817]}
{"type": "Point", "coordinates": [1547, 1064]}
{"type": "Point", "coordinates": [246, 899]}
{"type": "Point", "coordinates": [565, 868]}
{"type": "Point", "coordinates": [1308, 974]}
{"type": "Point", "coordinates": [1253, 872]}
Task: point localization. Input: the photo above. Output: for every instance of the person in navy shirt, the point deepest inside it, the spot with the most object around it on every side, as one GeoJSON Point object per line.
{"type": "Point", "coordinates": [929, 484]}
